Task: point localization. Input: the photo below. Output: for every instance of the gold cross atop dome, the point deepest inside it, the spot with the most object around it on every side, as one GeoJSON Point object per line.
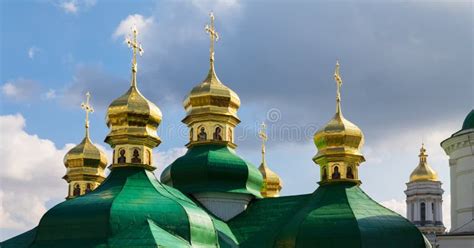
{"type": "Point", "coordinates": [87, 107]}
{"type": "Point", "coordinates": [213, 35]}
{"type": "Point", "coordinates": [263, 136]}
{"type": "Point", "coordinates": [338, 79]}
{"type": "Point", "coordinates": [136, 47]}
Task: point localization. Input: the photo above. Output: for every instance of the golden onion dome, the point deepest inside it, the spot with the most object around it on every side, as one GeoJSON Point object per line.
{"type": "Point", "coordinates": [272, 183]}
{"type": "Point", "coordinates": [131, 111]}
{"type": "Point", "coordinates": [339, 136]}
{"type": "Point", "coordinates": [423, 172]}
{"type": "Point", "coordinates": [211, 96]}
{"type": "Point", "coordinates": [85, 154]}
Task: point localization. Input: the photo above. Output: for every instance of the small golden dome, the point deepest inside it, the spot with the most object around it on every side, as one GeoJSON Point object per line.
{"type": "Point", "coordinates": [339, 136]}
{"type": "Point", "coordinates": [212, 96]}
{"type": "Point", "coordinates": [272, 183]}
{"type": "Point", "coordinates": [423, 172]}
{"type": "Point", "coordinates": [85, 154]}
{"type": "Point", "coordinates": [133, 114]}
{"type": "Point", "coordinates": [339, 145]}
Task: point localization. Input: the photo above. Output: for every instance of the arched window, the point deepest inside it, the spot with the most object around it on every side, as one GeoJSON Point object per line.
{"type": "Point", "coordinates": [423, 212]}
{"type": "Point", "coordinates": [325, 173]}
{"type": "Point", "coordinates": [148, 154]}
{"type": "Point", "coordinates": [412, 205]}
{"type": "Point", "coordinates": [336, 174]}
{"type": "Point", "coordinates": [136, 156]}
{"type": "Point", "coordinates": [433, 211]}
{"type": "Point", "coordinates": [191, 134]}
{"type": "Point", "coordinates": [349, 173]}
{"type": "Point", "coordinates": [88, 188]}
{"type": "Point", "coordinates": [77, 190]}
{"type": "Point", "coordinates": [202, 134]}
{"type": "Point", "coordinates": [217, 134]}
{"type": "Point", "coordinates": [122, 159]}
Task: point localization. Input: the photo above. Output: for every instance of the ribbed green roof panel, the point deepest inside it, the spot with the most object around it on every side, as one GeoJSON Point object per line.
{"type": "Point", "coordinates": [130, 209]}
{"type": "Point", "coordinates": [335, 215]}
{"type": "Point", "coordinates": [342, 215]}
{"type": "Point", "coordinates": [213, 168]}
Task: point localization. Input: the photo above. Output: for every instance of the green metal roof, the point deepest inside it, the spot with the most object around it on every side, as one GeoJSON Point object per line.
{"type": "Point", "coordinates": [469, 121]}
{"type": "Point", "coordinates": [213, 168]}
{"type": "Point", "coordinates": [335, 215]}
{"type": "Point", "coordinates": [130, 209]}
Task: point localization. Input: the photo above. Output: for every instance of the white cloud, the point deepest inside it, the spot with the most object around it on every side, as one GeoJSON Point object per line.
{"type": "Point", "coordinates": [20, 89]}
{"type": "Point", "coordinates": [31, 174]}
{"type": "Point", "coordinates": [164, 158]}
{"type": "Point", "coordinates": [69, 7]}
{"type": "Point", "coordinates": [74, 6]}
{"type": "Point", "coordinates": [9, 89]}
{"type": "Point", "coordinates": [49, 95]}
{"type": "Point", "coordinates": [32, 52]}
{"type": "Point", "coordinates": [142, 23]}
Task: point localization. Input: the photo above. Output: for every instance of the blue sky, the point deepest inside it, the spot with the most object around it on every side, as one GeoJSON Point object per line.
{"type": "Point", "coordinates": [406, 66]}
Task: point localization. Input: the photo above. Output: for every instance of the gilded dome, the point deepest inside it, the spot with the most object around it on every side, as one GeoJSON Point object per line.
{"type": "Point", "coordinates": [212, 95]}
{"type": "Point", "coordinates": [423, 172]}
{"type": "Point", "coordinates": [133, 114]}
{"type": "Point", "coordinates": [339, 136]}
{"type": "Point", "coordinates": [85, 154]}
{"type": "Point", "coordinates": [272, 183]}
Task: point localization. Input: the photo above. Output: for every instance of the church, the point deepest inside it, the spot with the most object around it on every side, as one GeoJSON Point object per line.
{"type": "Point", "coordinates": [211, 196]}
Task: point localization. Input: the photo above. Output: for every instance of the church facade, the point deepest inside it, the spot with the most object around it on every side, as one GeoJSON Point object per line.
{"type": "Point", "coordinates": [460, 149]}
{"type": "Point", "coordinates": [211, 196]}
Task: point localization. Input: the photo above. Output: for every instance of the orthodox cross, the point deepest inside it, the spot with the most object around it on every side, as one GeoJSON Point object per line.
{"type": "Point", "coordinates": [263, 136]}
{"type": "Point", "coordinates": [338, 79]}
{"type": "Point", "coordinates": [88, 109]}
{"type": "Point", "coordinates": [213, 35]}
{"type": "Point", "coordinates": [136, 47]}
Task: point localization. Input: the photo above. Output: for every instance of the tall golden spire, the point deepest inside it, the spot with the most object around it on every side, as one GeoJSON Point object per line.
{"type": "Point", "coordinates": [88, 109]}
{"type": "Point", "coordinates": [136, 48]}
{"type": "Point", "coordinates": [339, 143]}
{"type": "Point", "coordinates": [213, 36]}
{"type": "Point", "coordinates": [133, 121]}
{"type": "Point", "coordinates": [85, 163]}
{"type": "Point", "coordinates": [272, 183]}
{"type": "Point", "coordinates": [423, 172]}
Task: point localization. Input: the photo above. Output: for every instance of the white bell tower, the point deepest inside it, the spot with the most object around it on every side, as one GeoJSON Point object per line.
{"type": "Point", "coordinates": [425, 199]}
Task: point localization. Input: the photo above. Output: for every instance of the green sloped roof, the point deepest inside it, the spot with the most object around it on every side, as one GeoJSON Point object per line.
{"type": "Point", "coordinates": [335, 215]}
{"type": "Point", "coordinates": [213, 168]}
{"type": "Point", "coordinates": [469, 121]}
{"type": "Point", "coordinates": [259, 224]}
{"type": "Point", "coordinates": [130, 207]}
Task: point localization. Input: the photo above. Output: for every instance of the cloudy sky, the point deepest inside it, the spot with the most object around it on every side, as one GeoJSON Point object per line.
{"type": "Point", "coordinates": [406, 66]}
